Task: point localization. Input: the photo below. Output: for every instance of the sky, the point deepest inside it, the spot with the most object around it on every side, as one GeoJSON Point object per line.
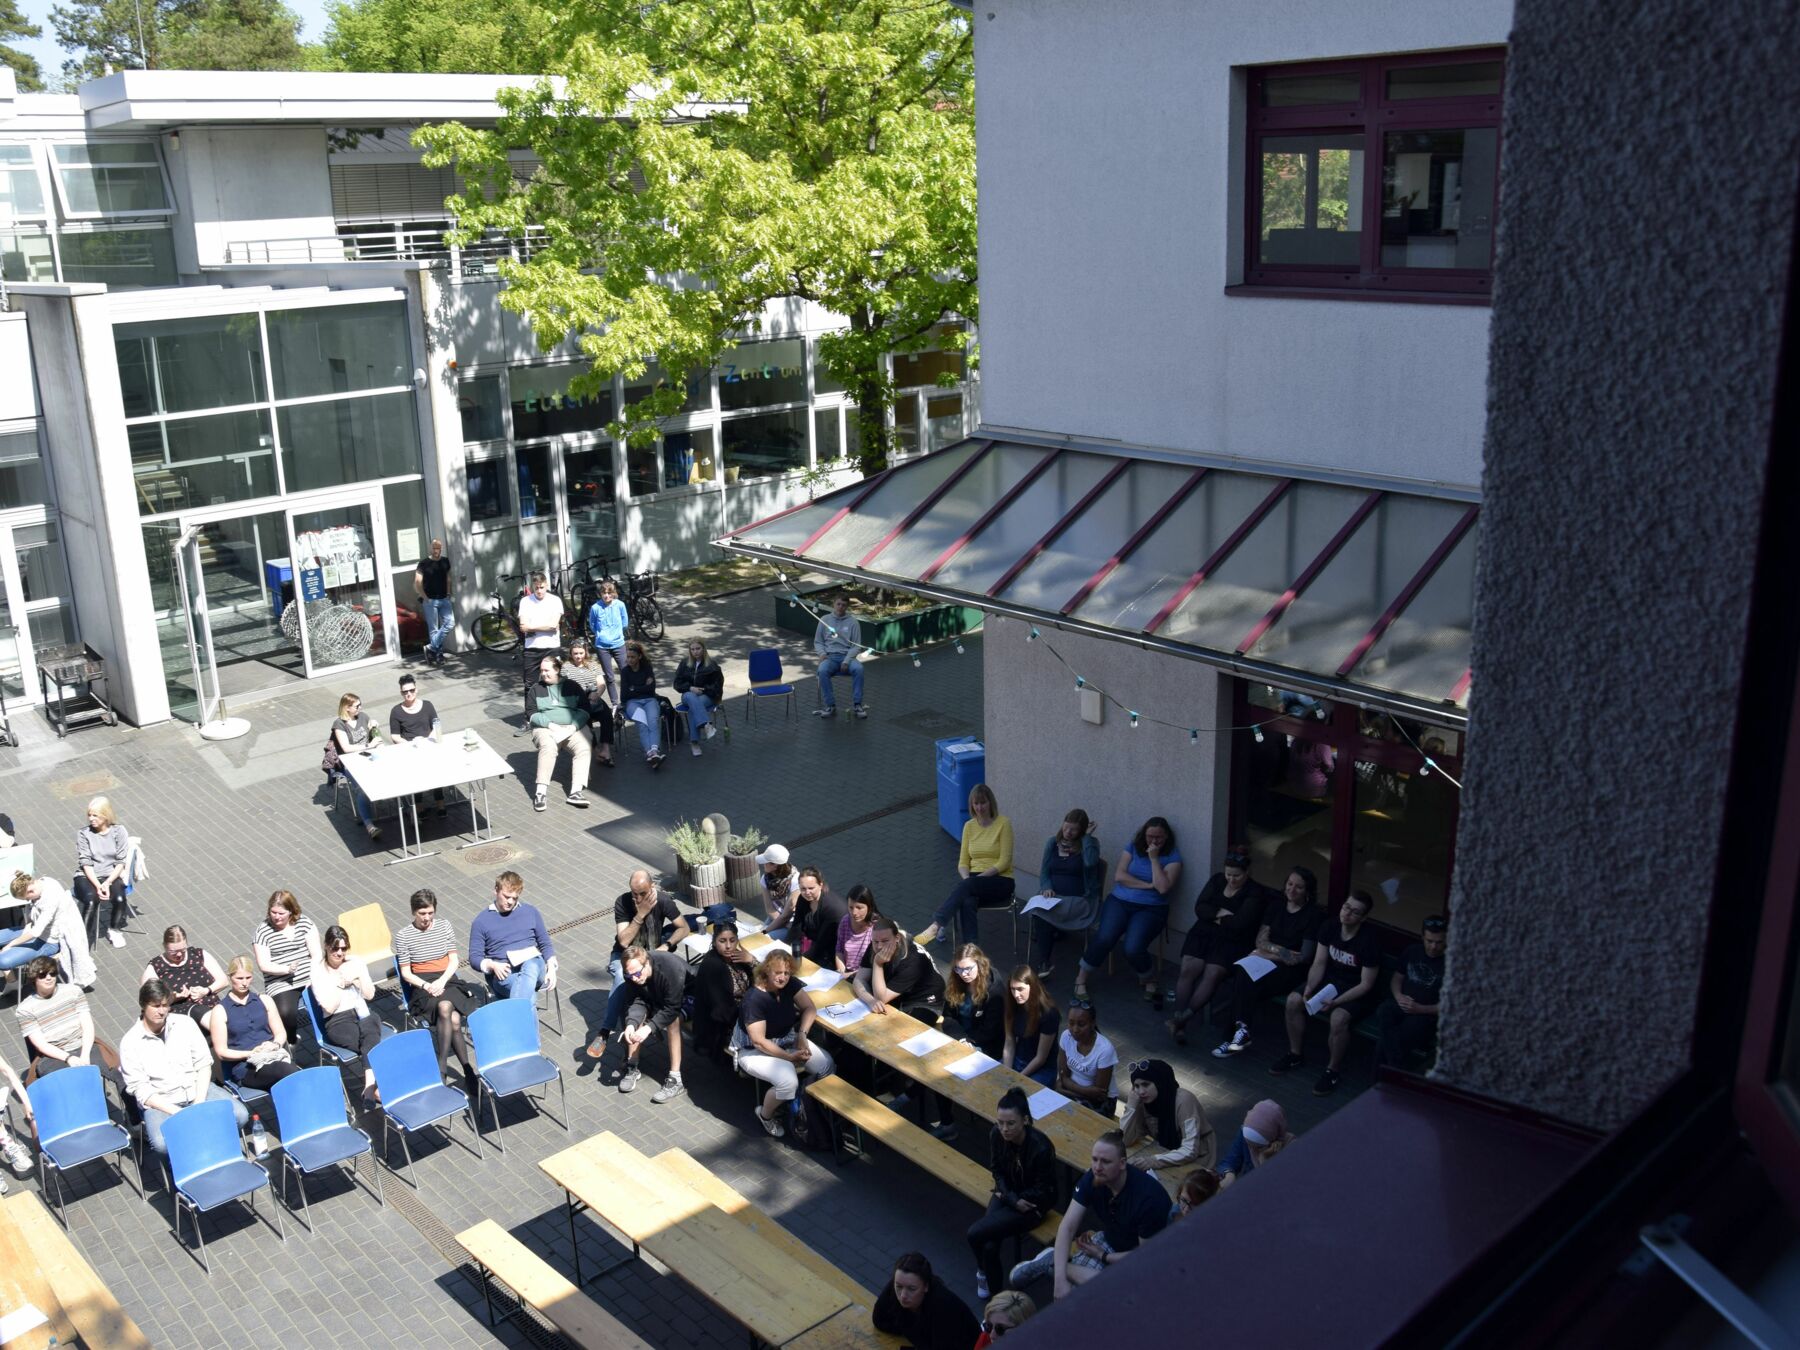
{"type": "Point", "coordinates": [50, 56]}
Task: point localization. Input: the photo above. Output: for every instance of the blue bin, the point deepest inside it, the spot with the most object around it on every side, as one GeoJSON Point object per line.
{"type": "Point", "coordinates": [961, 764]}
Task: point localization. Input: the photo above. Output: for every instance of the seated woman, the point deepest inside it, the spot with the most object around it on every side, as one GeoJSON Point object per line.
{"type": "Point", "coordinates": [781, 887]}
{"type": "Point", "coordinates": [59, 1026]}
{"type": "Point", "coordinates": [917, 1306]}
{"type": "Point", "coordinates": [354, 734]}
{"type": "Point", "coordinates": [1072, 871]}
{"type": "Point", "coordinates": [102, 853]}
{"type": "Point", "coordinates": [1006, 1311]}
{"type": "Point", "coordinates": [584, 670]}
{"type": "Point", "coordinates": [1033, 1022]}
{"type": "Point", "coordinates": [1290, 924]}
{"type": "Point", "coordinates": [817, 914]}
{"type": "Point", "coordinates": [17, 1156]}
{"type": "Point", "coordinates": [286, 946]}
{"type": "Point", "coordinates": [1170, 1115]}
{"type": "Point", "coordinates": [189, 971]}
{"type": "Point", "coordinates": [976, 1001]}
{"type": "Point", "coordinates": [425, 955]}
{"type": "Point", "coordinates": [720, 982]}
{"type": "Point", "coordinates": [986, 865]}
{"type": "Point", "coordinates": [701, 685]}
{"type": "Point", "coordinates": [1138, 908]}
{"type": "Point", "coordinates": [771, 1038]}
{"type": "Point", "coordinates": [1085, 1060]}
{"type": "Point", "coordinates": [52, 921]}
{"type": "Point", "coordinates": [1195, 1190]}
{"type": "Point", "coordinates": [341, 990]}
{"type": "Point", "coordinates": [1265, 1134]}
{"type": "Point", "coordinates": [637, 692]}
{"type": "Point", "coordinates": [247, 1032]}
{"type": "Point", "coordinates": [1226, 915]}
{"type": "Point", "coordinates": [856, 931]}
{"type": "Point", "coordinates": [1023, 1162]}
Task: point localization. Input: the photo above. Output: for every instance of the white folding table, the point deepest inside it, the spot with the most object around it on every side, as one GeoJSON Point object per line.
{"type": "Point", "coordinates": [460, 760]}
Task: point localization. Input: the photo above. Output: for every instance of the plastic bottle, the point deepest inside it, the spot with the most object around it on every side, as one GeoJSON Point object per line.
{"type": "Point", "coordinates": [259, 1137]}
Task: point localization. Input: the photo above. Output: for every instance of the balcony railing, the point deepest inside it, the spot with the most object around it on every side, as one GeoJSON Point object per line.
{"type": "Point", "coordinates": [402, 243]}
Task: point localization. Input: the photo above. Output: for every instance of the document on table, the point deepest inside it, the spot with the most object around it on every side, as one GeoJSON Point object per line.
{"type": "Point", "coordinates": [925, 1042]}
{"type": "Point", "coordinates": [820, 981]}
{"type": "Point", "coordinates": [842, 1015]}
{"type": "Point", "coordinates": [19, 1321]}
{"type": "Point", "coordinates": [1044, 1101]}
{"type": "Point", "coordinates": [1256, 966]}
{"type": "Point", "coordinates": [1320, 999]}
{"type": "Point", "coordinates": [773, 946]}
{"type": "Point", "coordinates": [1038, 902]}
{"type": "Point", "coordinates": [973, 1066]}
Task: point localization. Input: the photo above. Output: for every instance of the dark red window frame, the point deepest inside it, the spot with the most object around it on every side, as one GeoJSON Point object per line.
{"type": "Point", "coordinates": [1373, 115]}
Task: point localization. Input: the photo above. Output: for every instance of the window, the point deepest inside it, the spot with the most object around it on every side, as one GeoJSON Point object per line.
{"type": "Point", "coordinates": [408, 536]}
{"type": "Point", "coordinates": [119, 258]}
{"type": "Point", "coordinates": [543, 405]}
{"type": "Point", "coordinates": [763, 374]}
{"type": "Point", "coordinates": [339, 349]}
{"type": "Point", "coordinates": [479, 400]}
{"type": "Point", "coordinates": [348, 440]}
{"type": "Point", "coordinates": [25, 255]}
{"type": "Point", "coordinates": [826, 434]}
{"type": "Point", "coordinates": [593, 524]}
{"type": "Point", "coordinates": [939, 364]}
{"type": "Point", "coordinates": [21, 190]}
{"type": "Point", "coordinates": [1378, 175]}
{"type": "Point", "coordinates": [110, 178]}
{"type": "Point", "coordinates": [488, 498]}
{"type": "Point", "coordinates": [185, 462]}
{"type": "Point", "coordinates": [188, 365]}
{"type": "Point", "coordinates": [762, 446]}
{"type": "Point", "coordinates": [535, 495]}
{"type": "Point", "coordinates": [21, 470]}
{"type": "Point", "coordinates": [698, 393]}
{"type": "Point", "coordinates": [679, 459]}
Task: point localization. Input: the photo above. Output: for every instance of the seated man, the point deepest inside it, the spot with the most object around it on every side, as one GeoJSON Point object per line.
{"type": "Point", "coordinates": [1344, 970]}
{"type": "Point", "coordinates": [509, 943]}
{"type": "Point", "coordinates": [415, 719]}
{"type": "Point", "coordinates": [1410, 1022]}
{"type": "Point", "coordinates": [558, 713]}
{"type": "Point", "coordinates": [838, 639]}
{"type": "Point", "coordinates": [645, 916]}
{"type": "Point", "coordinates": [1114, 1209]}
{"type": "Point", "coordinates": [167, 1064]}
{"type": "Point", "coordinates": [659, 980]}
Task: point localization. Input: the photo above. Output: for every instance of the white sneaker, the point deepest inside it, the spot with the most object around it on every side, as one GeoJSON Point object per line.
{"type": "Point", "coordinates": [115, 937]}
{"type": "Point", "coordinates": [1039, 1266]}
{"type": "Point", "coordinates": [694, 747]}
{"type": "Point", "coordinates": [981, 1287]}
{"type": "Point", "coordinates": [18, 1157]}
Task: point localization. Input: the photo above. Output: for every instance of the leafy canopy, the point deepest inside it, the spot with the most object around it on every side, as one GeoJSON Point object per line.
{"type": "Point", "coordinates": [500, 37]}
{"type": "Point", "coordinates": [14, 24]}
{"type": "Point", "coordinates": [176, 35]}
{"type": "Point", "coordinates": [718, 156]}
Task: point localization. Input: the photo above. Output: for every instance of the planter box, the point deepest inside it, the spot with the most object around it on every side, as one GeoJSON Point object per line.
{"type": "Point", "coordinates": [918, 628]}
{"type": "Point", "coordinates": [744, 879]}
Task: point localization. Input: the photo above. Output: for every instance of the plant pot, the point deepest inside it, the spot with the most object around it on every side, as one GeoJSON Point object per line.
{"type": "Point", "coordinates": [707, 874]}
{"type": "Point", "coordinates": [703, 896]}
{"type": "Point", "coordinates": [743, 877]}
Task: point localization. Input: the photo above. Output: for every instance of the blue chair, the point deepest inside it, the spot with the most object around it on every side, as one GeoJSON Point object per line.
{"type": "Point", "coordinates": [73, 1127]}
{"type": "Point", "coordinates": [766, 682]}
{"type": "Point", "coordinates": [316, 1132]}
{"type": "Point", "coordinates": [508, 1058]}
{"type": "Point", "coordinates": [207, 1166]}
{"type": "Point", "coordinates": [412, 1094]}
{"type": "Point", "coordinates": [337, 1052]}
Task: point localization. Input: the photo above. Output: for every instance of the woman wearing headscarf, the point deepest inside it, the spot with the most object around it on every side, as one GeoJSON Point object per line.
{"type": "Point", "coordinates": [1172, 1116]}
{"type": "Point", "coordinates": [1265, 1134]}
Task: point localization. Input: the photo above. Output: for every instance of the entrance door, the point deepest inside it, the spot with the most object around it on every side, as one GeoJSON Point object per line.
{"type": "Point", "coordinates": [340, 576]}
{"type": "Point", "coordinates": [201, 658]}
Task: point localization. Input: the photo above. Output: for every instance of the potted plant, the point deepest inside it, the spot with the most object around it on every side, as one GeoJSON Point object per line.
{"type": "Point", "coordinates": [742, 876]}
{"type": "Point", "coordinates": [697, 862]}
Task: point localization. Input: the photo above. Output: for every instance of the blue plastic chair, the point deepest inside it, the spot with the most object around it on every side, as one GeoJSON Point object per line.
{"type": "Point", "coordinates": [337, 1052]}
{"type": "Point", "coordinates": [73, 1127]}
{"type": "Point", "coordinates": [412, 1094]}
{"type": "Point", "coordinates": [207, 1166]}
{"type": "Point", "coordinates": [316, 1132]}
{"type": "Point", "coordinates": [766, 682]}
{"type": "Point", "coordinates": [508, 1058]}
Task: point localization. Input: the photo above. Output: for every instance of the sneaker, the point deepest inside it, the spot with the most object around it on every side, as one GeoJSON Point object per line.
{"type": "Point", "coordinates": [628, 1080]}
{"type": "Point", "coordinates": [656, 760]}
{"type": "Point", "coordinates": [771, 1124]}
{"type": "Point", "coordinates": [824, 712]}
{"type": "Point", "coordinates": [117, 938]}
{"type": "Point", "coordinates": [18, 1157]}
{"type": "Point", "coordinates": [1328, 1083]}
{"type": "Point", "coordinates": [576, 799]}
{"type": "Point", "coordinates": [597, 1047]}
{"type": "Point", "coordinates": [709, 731]}
{"type": "Point", "coordinates": [859, 712]}
{"type": "Point", "coordinates": [945, 1130]}
{"type": "Point", "coordinates": [541, 802]}
{"type": "Point", "coordinates": [901, 1104]}
{"type": "Point", "coordinates": [1239, 1042]}
{"type": "Point", "coordinates": [372, 830]}
{"type": "Point", "coordinates": [694, 748]}
{"type": "Point", "coordinates": [981, 1287]}
{"type": "Point", "coordinates": [1037, 1268]}
{"type": "Point", "coordinates": [1286, 1062]}
{"type": "Point", "coordinates": [672, 1088]}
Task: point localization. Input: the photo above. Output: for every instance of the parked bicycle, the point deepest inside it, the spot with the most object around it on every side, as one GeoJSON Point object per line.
{"type": "Point", "coordinates": [646, 612]}
{"type": "Point", "coordinates": [497, 626]}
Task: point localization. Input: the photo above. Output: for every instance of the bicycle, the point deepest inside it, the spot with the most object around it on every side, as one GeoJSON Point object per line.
{"type": "Point", "coordinates": [646, 614]}
{"type": "Point", "coordinates": [497, 626]}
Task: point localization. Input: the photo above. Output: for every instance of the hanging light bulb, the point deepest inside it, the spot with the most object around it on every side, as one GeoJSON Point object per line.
{"type": "Point", "coordinates": [1080, 683]}
{"type": "Point", "coordinates": [1134, 720]}
{"type": "Point", "coordinates": [916, 662]}
{"type": "Point", "coordinates": [1319, 712]}
{"type": "Point", "coordinates": [793, 600]}
{"type": "Point", "coordinates": [1257, 732]}
{"type": "Point", "coordinates": [1193, 737]}
{"type": "Point", "coordinates": [1033, 636]}
{"type": "Point", "coordinates": [1425, 768]}
{"type": "Point", "coordinates": [959, 647]}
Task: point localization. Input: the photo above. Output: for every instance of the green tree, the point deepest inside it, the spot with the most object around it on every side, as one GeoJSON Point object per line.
{"type": "Point", "coordinates": [502, 37]}
{"type": "Point", "coordinates": [715, 157]}
{"type": "Point", "coordinates": [13, 24]}
{"type": "Point", "coordinates": [176, 35]}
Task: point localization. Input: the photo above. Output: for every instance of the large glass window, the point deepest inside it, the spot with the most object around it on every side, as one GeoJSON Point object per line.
{"type": "Point", "coordinates": [111, 178]}
{"type": "Point", "coordinates": [1312, 199]}
{"type": "Point", "coordinates": [119, 258]}
{"type": "Point", "coordinates": [1405, 824]}
{"type": "Point", "coordinates": [489, 498]}
{"type": "Point", "coordinates": [763, 374]}
{"type": "Point", "coordinates": [698, 388]}
{"type": "Point", "coordinates": [21, 470]}
{"type": "Point", "coordinates": [913, 370]}
{"type": "Point", "coordinates": [349, 441]}
{"type": "Point", "coordinates": [944, 420]}
{"type": "Point", "coordinates": [185, 365]}
{"type": "Point", "coordinates": [21, 190]}
{"type": "Point", "coordinates": [186, 462]}
{"type": "Point", "coordinates": [409, 536]}
{"type": "Point", "coordinates": [827, 435]}
{"type": "Point", "coordinates": [543, 404]}
{"type": "Point", "coordinates": [536, 495]}
{"type": "Point", "coordinates": [479, 401]}
{"type": "Point", "coordinates": [765, 445]}
{"type": "Point", "coordinates": [339, 349]}
{"type": "Point", "coordinates": [43, 575]}
{"type": "Point", "coordinates": [676, 460]}
{"type": "Point", "coordinates": [25, 255]}
{"type": "Point", "coordinates": [593, 523]}
{"type": "Point", "coordinates": [1437, 205]}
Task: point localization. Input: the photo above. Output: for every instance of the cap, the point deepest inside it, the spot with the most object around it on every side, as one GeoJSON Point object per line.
{"type": "Point", "coordinates": [774, 853]}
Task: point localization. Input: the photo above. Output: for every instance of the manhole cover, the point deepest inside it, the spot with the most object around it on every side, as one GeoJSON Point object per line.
{"type": "Point", "coordinates": [488, 855]}
{"type": "Point", "coordinates": [90, 786]}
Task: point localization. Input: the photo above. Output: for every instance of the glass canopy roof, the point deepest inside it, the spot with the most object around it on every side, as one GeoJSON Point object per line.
{"type": "Point", "coordinates": [1357, 592]}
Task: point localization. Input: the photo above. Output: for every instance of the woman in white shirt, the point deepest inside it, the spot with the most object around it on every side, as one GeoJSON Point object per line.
{"type": "Point", "coordinates": [1085, 1059]}
{"type": "Point", "coordinates": [54, 918]}
{"type": "Point", "coordinates": [341, 988]}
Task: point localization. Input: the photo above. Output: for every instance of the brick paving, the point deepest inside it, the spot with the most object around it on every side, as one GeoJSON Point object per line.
{"type": "Point", "coordinates": [223, 825]}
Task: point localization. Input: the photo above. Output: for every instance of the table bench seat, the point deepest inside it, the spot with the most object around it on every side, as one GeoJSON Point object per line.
{"type": "Point", "coordinates": [579, 1318]}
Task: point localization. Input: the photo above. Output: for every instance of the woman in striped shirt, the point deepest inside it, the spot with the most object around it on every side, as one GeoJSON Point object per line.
{"type": "Point", "coordinates": [286, 946]}
{"type": "Point", "coordinates": [425, 955]}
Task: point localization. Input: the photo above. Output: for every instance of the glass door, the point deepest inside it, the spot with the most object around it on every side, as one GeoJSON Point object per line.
{"type": "Point", "coordinates": [202, 661]}
{"type": "Point", "coordinates": [342, 582]}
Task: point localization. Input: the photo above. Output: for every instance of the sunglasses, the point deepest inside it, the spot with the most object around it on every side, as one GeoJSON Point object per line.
{"type": "Point", "coordinates": [994, 1328]}
{"type": "Point", "coordinates": [340, 949]}
{"type": "Point", "coordinates": [1139, 1069]}
{"type": "Point", "coordinates": [1086, 1003]}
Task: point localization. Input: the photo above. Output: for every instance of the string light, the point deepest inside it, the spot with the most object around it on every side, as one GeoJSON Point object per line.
{"type": "Point", "coordinates": [1425, 768]}
{"type": "Point", "coordinates": [916, 662]}
{"type": "Point", "coordinates": [1032, 636]}
{"type": "Point", "coordinates": [1080, 683]}
{"type": "Point", "coordinates": [1257, 732]}
{"type": "Point", "coordinates": [793, 601]}
{"type": "Point", "coordinates": [1193, 737]}
{"type": "Point", "coordinates": [959, 647]}
{"type": "Point", "coordinates": [1134, 721]}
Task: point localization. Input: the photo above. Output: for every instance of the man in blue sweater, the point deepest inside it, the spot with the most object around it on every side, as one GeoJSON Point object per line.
{"type": "Point", "coordinates": [509, 943]}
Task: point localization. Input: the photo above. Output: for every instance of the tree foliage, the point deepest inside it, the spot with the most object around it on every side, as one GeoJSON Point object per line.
{"type": "Point", "coordinates": [176, 35]}
{"type": "Point", "coordinates": [718, 156]}
{"type": "Point", "coordinates": [502, 37]}
{"type": "Point", "coordinates": [14, 24]}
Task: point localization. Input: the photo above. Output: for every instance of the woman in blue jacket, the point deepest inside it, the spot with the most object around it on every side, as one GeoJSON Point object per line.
{"type": "Point", "coordinates": [607, 621]}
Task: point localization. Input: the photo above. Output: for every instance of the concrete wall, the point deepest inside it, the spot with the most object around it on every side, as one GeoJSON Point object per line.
{"type": "Point", "coordinates": [1111, 167]}
{"type": "Point", "coordinates": [236, 185]}
{"type": "Point", "coordinates": [1634, 356]}
{"type": "Point", "coordinates": [1042, 759]}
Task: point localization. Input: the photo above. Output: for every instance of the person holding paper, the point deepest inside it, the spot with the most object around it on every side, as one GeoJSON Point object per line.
{"type": "Point", "coordinates": [510, 944]}
{"type": "Point", "coordinates": [1033, 1022]}
{"type": "Point", "coordinates": [1226, 914]}
{"type": "Point", "coordinates": [986, 865]}
{"type": "Point", "coordinates": [1410, 1022]}
{"type": "Point", "coordinates": [1138, 908]}
{"type": "Point", "coordinates": [1158, 1109]}
{"type": "Point", "coordinates": [341, 988]}
{"type": "Point", "coordinates": [1280, 961]}
{"type": "Point", "coordinates": [1085, 1060]}
{"type": "Point", "coordinates": [1114, 1209]}
{"type": "Point", "coordinates": [1340, 987]}
{"type": "Point", "coordinates": [1023, 1161]}
{"type": "Point", "coordinates": [771, 1039]}
{"type": "Point", "coordinates": [1071, 874]}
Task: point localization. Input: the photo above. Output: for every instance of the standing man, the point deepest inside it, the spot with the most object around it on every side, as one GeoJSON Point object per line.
{"type": "Point", "coordinates": [167, 1064]}
{"type": "Point", "coordinates": [1410, 1022]}
{"type": "Point", "coordinates": [645, 916]}
{"type": "Point", "coordinates": [540, 622]}
{"type": "Point", "coordinates": [1345, 966]}
{"type": "Point", "coordinates": [509, 943]}
{"type": "Point", "coordinates": [837, 640]}
{"type": "Point", "coordinates": [414, 719]}
{"type": "Point", "coordinates": [658, 985]}
{"type": "Point", "coordinates": [431, 582]}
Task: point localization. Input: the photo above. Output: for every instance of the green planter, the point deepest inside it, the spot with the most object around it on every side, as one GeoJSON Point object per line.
{"type": "Point", "coordinates": [920, 628]}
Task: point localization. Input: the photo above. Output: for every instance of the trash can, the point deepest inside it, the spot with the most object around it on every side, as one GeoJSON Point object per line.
{"type": "Point", "coordinates": [961, 764]}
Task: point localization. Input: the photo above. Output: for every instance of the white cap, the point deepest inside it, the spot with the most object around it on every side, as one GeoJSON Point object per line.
{"type": "Point", "coordinates": [774, 853]}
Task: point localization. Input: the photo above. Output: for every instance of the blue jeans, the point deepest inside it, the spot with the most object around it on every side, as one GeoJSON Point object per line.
{"type": "Point", "coordinates": [1137, 924]}
{"type": "Point", "coordinates": [524, 982]}
{"type": "Point", "coordinates": [440, 618]}
{"type": "Point", "coordinates": [619, 999]}
{"type": "Point", "coordinates": [1045, 1073]}
{"type": "Point", "coordinates": [830, 666]}
{"type": "Point", "coordinates": [699, 708]}
{"type": "Point", "coordinates": [357, 800]}
{"type": "Point", "coordinates": [14, 957]}
{"type": "Point", "coordinates": [153, 1120]}
{"type": "Point", "coordinates": [969, 895]}
{"type": "Point", "coordinates": [647, 713]}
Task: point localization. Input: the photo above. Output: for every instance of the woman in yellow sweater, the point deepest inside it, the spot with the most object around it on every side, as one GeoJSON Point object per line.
{"type": "Point", "coordinates": [986, 864]}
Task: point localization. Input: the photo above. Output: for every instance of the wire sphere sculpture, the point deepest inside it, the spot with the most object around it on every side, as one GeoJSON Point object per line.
{"type": "Point", "coordinates": [337, 634]}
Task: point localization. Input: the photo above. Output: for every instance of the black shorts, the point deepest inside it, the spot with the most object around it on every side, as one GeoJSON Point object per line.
{"type": "Point", "coordinates": [1361, 1007]}
{"type": "Point", "coordinates": [462, 995]}
{"type": "Point", "coordinates": [1212, 944]}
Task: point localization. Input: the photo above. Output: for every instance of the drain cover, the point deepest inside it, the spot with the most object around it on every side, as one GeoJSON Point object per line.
{"type": "Point", "coordinates": [90, 786]}
{"type": "Point", "coordinates": [488, 855]}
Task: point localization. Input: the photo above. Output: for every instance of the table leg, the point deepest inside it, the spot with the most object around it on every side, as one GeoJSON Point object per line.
{"type": "Point", "coordinates": [409, 802]}
{"type": "Point", "coordinates": [481, 824]}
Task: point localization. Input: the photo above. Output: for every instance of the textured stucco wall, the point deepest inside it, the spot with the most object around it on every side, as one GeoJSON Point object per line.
{"type": "Point", "coordinates": [1649, 179]}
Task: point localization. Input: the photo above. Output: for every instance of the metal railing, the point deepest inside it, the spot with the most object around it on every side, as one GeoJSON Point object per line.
{"type": "Point", "coordinates": [401, 243]}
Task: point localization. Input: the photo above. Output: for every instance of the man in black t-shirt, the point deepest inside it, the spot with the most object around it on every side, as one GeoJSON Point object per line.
{"type": "Point", "coordinates": [1114, 1210]}
{"type": "Point", "coordinates": [657, 982]}
{"type": "Point", "coordinates": [414, 719]}
{"type": "Point", "coordinates": [645, 916]}
{"type": "Point", "coordinates": [1344, 969]}
{"type": "Point", "coordinates": [431, 583]}
{"type": "Point", "coordinates": [1410, 1022]}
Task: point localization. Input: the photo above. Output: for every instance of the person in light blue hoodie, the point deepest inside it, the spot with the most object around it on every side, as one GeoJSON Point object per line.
{"type": "Point", "coordinates": [607, 621]}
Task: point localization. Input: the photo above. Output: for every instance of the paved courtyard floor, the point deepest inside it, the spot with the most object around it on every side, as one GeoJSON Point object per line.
{"type": "Point", "coordinates": [224, 825]}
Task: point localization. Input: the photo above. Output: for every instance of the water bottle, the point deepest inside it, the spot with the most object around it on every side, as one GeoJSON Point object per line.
{"type": "Point", "coordinates": [259, 1137]}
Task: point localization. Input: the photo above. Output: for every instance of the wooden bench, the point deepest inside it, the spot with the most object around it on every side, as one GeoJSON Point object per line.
{"type": "Point", "coordinates": [501, 1256]}
{"type": "Point", "coordinates": [954, 1169]}
{"type": "Point", "coordinates": [41, 1266]}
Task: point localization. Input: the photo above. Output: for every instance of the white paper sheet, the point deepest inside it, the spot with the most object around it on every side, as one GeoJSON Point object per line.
{"type": "Point", "coordinates": [1038, 902]}
{"type": "Point", "coordinates": [841, 1015]}
{"type": "Point", "coordinates": [925, 1042]}
{"type": "Point", "coordinates": [1044, 1101]}
{"type": "Point", "coordinates": [520, 955]}
{"type": "Point", "coordinates": [19, 1321]}
{"type": "Point", "coordinates": [973, 1066]}
{"type": "Point", "coordinates": [365, 569]}
{"type": "Point", "coordinates": [406, 546]}
{"type": "Point", "coordinates": [764, 948]}
{"type": "Point", "coordinates": [820, 981]}
{"type": "Point", "coordinates": [1256, 966]}
{"type": "Point", "coordinates": [1320, 999]}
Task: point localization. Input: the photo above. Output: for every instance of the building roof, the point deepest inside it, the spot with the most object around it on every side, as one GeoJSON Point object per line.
{"type": "Point", "coordinates": [1350, 589]}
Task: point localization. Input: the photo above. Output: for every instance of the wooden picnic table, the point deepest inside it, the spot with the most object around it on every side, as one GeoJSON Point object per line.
{"type": "Point", "coordinates": [40, 1266]}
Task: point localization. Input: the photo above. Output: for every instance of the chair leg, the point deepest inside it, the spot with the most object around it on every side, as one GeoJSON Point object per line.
{"type": "Point", "coordinates": [562, 1086]}
{"type": "Point", "coordinates": [493, 1101]}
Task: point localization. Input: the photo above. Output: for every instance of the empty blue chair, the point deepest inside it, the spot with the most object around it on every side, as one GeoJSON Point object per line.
{"type": "Point", "coordinates": [766, 682]}
{"type": "Point", "coordinates": [508, 1059]}
{"type": "Point", "coordinates": [74, 1128]}
{"type": "Point", "coordinates": [413, 1095]}
{"type": "Point", "coordinates": [207, 1166]}
{"type": "Point", "coordinates": [316, 1132]}
{"type": "Point", "coordinates": [337, 1052]}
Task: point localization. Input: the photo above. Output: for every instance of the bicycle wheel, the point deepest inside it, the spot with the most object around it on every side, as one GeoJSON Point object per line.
{"type": "Point", "coordinates": [647, 619]}
{"type": "Point", "coordinates": [496, 632]}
